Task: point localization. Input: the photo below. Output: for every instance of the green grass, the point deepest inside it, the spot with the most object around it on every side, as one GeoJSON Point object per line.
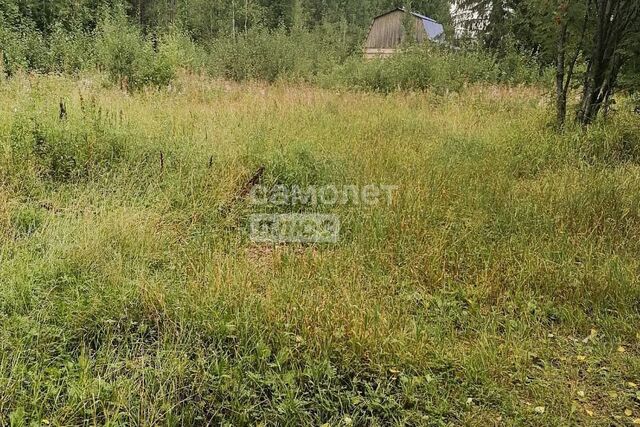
{"type": "Point", "coordinates": [502, 278]}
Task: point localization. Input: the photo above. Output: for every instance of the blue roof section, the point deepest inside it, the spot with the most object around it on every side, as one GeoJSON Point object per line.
{"type": "Point", "coordinates": [434, 29]}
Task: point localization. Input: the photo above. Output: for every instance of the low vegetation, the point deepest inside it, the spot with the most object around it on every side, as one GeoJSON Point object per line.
{"type": "Point", "coordinates": [436, 68]}
{"type": "Point", "coordinates": [134, 60]}
{"type": "Point", "coordinates": [499, 287]}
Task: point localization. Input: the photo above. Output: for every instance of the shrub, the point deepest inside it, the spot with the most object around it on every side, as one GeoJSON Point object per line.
{"type": "Point", "coordinates": [245, 58]}
{"type": "Point", "coordinates": [178, 49]}
{"type": "Point", "coordinates": [517, 68]}
{"type": "Point", "coordinates": [129, 58]}
{"type": "Point", "coordinates": [261, 54]}
{"type": "Point", "coordinates": [22, 48]}
{"type": "Point", "coordinates": [71, 51]}
{"type": "Point", "coordinates": [432, 67]}
{"type": "Point", "coordinates": [417, 68]}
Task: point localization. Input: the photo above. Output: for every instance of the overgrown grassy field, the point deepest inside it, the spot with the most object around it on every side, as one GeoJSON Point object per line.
{"type": "Point", "coordinates": [500, 287]}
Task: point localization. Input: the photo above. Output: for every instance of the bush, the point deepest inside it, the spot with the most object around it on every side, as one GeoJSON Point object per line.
{"type": "Point", "coordinates": [261, 54]}
{"type": "Point", "coordinates": [322, 54]}
{"type": "Point", "coordinates": [22, 48]}
{"type": "Point", "coordinates": [417, 68]}
{"type": "Point", "coordinates": [178, 49]}
{"type": "Point", "coordinates": [432, 67]}
{"type": "Point", "coordinates": [71, 51]}
{"type": "Point", "coordinates": [517, 68]}
{"type": "Point", "coordinates": [131, 60]}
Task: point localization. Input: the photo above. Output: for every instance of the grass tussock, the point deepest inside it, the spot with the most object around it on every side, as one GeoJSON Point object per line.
{"type": "Point", "coordinates": [502, 277]}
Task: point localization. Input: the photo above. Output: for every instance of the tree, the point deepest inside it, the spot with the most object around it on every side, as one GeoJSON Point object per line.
{"type": "Point", "coordinates": [596, 33]}
{"type": "Point", "coordinates": [630, 71]}
{"type": "Point", "coordinates": [567, 13]}
{"type": "Point", "coordinates": [613, 30]}
{"type": "Point", "coordinates": [488, 20]}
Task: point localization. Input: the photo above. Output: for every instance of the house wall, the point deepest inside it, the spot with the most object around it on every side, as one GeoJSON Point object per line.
{"type": "Point", "coordinates": [371, 53]}
{"type": "Point", "coordinates": [420, 32]}
{"type": "Point", "coordinates": [387, 31]}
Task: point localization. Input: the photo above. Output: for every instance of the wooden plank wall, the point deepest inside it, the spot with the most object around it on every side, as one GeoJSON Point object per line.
{"type": "Point", "coordinates": [387, 31]}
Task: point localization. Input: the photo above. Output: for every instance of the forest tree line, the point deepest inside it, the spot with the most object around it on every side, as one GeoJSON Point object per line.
{"type": "Point", "coordinates": [206, 19]}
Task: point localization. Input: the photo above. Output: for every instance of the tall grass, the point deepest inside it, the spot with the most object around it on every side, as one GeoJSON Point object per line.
{"type": "Point", "coordinates": [502, 278]}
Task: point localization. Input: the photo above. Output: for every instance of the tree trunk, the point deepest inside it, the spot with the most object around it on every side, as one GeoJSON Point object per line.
{"type": "Point", "coordinates": [246, 14]}
{"type": "Point", "coordinates": [233, 19]}
{"type": "Point", "coordinates": [614, 18]}
{"type": "Point", "coordinates": [585, 91]}
{"type": "Point", "coordinates": [561, 95]}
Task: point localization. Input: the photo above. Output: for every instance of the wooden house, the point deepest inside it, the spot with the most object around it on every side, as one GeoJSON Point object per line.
{"type": "Point", "coordinates": [388, 32]}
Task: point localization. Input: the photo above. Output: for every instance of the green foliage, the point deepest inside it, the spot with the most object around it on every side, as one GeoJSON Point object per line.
{"type": "Point", "coordinates": [630, 73]}
{"type": "Point", "coordinates": [129, 58]}
{"type": "Point", "coordinates": [613, 145]}
{"type": "Point", "coordinates": [437, 68]}
{"type": "Point", "coordinates": [269, 55]}
{"type": "Point", "coordinates": [516, 67]}
{"type": "Point", "coordinates": [65, 150]}
{"type": "Point", "coordinates": [22, 48]}
{"type": "Point", "coordinates": [300, 49]}
{"type": "Point", "coordinates": [432, 67]}
{"type": "Point", "coordinates": [27, 220]}
{"type": "Point", "coordinates": [178, 50]}
{"type": "Point", "coordinates": [71, 51]}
